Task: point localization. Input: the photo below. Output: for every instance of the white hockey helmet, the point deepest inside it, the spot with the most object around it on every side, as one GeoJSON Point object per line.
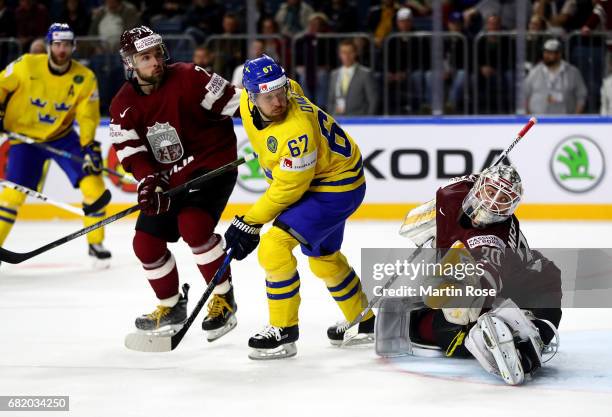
{"type": "Point", "coordinates": [495, 195]}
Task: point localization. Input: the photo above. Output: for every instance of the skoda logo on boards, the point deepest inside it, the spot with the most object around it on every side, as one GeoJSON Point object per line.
{"type": "Point", "coordinates": [250, 175]}
{"type": "Point", "coordinates": [577, 164]}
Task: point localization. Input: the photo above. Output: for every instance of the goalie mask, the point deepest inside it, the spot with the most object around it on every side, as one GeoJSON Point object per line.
{"type": "Point", "coordinates": [494, 197]}
{"type": "Point", "coordinates": [136, 41]}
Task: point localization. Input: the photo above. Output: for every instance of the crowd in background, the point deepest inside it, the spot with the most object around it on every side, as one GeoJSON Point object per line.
{"type": "Point", "coordinates": [349, 75]}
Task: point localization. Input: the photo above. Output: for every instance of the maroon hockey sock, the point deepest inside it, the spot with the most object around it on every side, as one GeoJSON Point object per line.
{"type": "Point", "coordinates": [197, 227]}
{"type": "Point", "coordinates": [158, 263]}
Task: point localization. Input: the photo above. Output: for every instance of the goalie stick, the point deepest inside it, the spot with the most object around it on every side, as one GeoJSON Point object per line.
{"type": "Point", "coordinates": [16, 257]}
{"type": "Point", "coordinates": [351, 330]}
{"type": "Point", "coordinates": [143, 342]}
{"type": "Point", "coordinates": [65, 154]}
{"type": "Point", "coordinates": [97, 205]}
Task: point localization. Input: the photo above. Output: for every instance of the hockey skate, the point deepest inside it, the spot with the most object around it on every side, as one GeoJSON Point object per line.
{"type": "Point", "coordinates": [100, 256]}
{"type": "Point", "coordinates": [221, 317]}
{"type": "Point", "coordinates": [507, 343]}
{"type": "Point", "coordinates": [274, 343]}
{"type": "Point", "coordinates": [341, 335]}
{"type": "Point", "coordinates": [165, 321]}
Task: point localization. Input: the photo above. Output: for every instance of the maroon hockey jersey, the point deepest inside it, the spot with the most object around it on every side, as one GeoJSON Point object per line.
{"type": "Point", "coordinates": [513, 269]}
{"type": "Point", "coordinates": [183, 127]}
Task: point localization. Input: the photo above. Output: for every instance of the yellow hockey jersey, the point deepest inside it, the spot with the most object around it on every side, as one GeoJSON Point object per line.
{"type": "Point", "coordinates": [307, 151]}
{"type": "Point", "coordinates": [43, 105]}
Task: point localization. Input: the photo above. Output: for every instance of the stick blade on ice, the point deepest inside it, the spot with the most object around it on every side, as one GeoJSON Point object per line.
{"type": "Point", "coordinates": [148, 343]}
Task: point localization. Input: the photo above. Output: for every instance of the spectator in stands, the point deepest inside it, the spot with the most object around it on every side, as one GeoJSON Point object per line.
{"type": "Point", "coordinates": [38, 46]}
{"type": "Point", "coordinates": [165, 16]}
{"type": "Point", "coordinates": [600, 18]}
{"type": "Point", "coordinates": [343, 17]}
{"type": "Point", "coordinates": [255, 51]}
{"type": "Point", "coordinates": [419, 7]}
{"type": "Point", "coordinates": [204, 57]}
{"type": "Point", "coordinates": [109, 21]}
{"type": "Point", "coordinates": [274, 48]}
{"type": "Point", "coordinates": [293, 16]}
{"type": "Point", "coordinates": [504, 9]}
{"type": "Point", "coordinates": [229, 52]}
{"type": "Point", "coordinates": [554, 86]}
{"type": "Point", "coordinates": [606, 96]}
{"type": "Point", "coordinates": [352, 91]}
{"type": "Point", "coordinates": [535, 40]}
{"type": "Point", "coordinates": [380, 20]}
{"type": "Point", "coordinates": [495, 73]}
{"type": "Point", "coordinates": [32, 21]}
{"type": "Point", "coordinates": [455, 64]}
{"type": "Point", "coordinates": [573, 14]}
{"type": "Point", "coordinates": [203, 18]}
{"type": "Point", "coordinates": [409, 60]}
{"type": "Point", "coordinates": [314, 58]}
{"type": "Point", "coordinates": [75, 13]}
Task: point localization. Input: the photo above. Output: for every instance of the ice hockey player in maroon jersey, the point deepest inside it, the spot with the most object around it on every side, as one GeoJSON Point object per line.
{"type": "Point", "coordinates": [476, 214]}
{"type": "Point", "coordinates": [169, 124]}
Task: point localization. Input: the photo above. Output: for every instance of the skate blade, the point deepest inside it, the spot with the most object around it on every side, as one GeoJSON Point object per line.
{"type": "Point", "coordinates": [164, 331]}
{"type": "Point", "coordinates": [498, 339]}
{"type": "Point", "coordinates": [100, 264]}
{"type": "Point", "coordinates": [212, 335]}
{"type": "Point", "coordinates": [283, 351]}
{"type": "Point", "coordinates": [357, 340]}
{"type": "Point", "coordinates": [142, 342]}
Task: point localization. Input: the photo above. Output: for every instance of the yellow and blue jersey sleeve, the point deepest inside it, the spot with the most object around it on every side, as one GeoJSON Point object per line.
{"type": "Point", "coordinates": [43, 105]}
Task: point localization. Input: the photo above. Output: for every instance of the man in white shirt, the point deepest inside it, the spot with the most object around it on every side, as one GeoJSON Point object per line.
{"type": "Point", "coordinates": [554, 86]}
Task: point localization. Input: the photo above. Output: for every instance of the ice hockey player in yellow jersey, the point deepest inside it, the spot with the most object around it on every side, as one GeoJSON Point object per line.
{"type": "Point", "coordinates": [41, 97]}
{"type": "Point", "coordinates": [316, 179]}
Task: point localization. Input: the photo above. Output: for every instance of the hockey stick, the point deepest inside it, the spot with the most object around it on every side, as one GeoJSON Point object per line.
{"type": "Point", "coordinates": [96, 206]}
{"type": "Point", "coordinates": [348, 335]}
{"type": "Point", "coordinates": [16, 257]}
{"type": "Point", "coordinates": [532, 121]}
{"type": "Point", "coordinates": [151, 343]}
{"type": "Point", "coordinates": [65, 154]}
{"type": "Point", "coordinates": [42, 197]}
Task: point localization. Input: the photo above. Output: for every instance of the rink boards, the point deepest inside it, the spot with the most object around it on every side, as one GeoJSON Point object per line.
{"type": "Point", "coordinates": [563, 162]}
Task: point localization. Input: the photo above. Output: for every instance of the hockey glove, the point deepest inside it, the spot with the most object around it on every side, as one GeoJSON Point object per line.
{"type": "Point", "coordinates": [242, 237]}
{"type": "Point", "coordinates": [151, 197]}
{"type": "Point", "coordinates": [93, 159]}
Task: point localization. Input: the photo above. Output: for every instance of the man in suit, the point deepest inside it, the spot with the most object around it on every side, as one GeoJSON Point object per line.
{"type": "Point", "coordinates": [352, 90]}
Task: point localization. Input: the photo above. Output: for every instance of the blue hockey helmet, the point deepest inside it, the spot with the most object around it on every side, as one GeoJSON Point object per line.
{"type": "Point", "coordinates": [262, 75]}
{"type": "Point", "coordinates": [59, 32]}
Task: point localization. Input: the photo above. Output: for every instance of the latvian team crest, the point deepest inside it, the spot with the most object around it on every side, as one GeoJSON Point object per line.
{"type": "Point", "coordinates": [165, 143]}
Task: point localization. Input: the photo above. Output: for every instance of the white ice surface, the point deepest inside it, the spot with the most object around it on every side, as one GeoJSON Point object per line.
{"type": "Point", "coordinates": [62, 326]}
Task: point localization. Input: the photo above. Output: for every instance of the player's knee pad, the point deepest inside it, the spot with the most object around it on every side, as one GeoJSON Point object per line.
{"type": "Point", "coordinates": [196, 226]}
{"type": "Point", "coordinates": [92, 187]}
{"type": "Point", "coordinates": [275, 254]}
{"type": "Point", "coordinates": [330, 268]}
{"type": "Point", "coordinates": [148, 248]}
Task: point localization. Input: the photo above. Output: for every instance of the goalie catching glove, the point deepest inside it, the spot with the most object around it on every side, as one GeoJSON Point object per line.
{"type": "Point", "coordinates": [151, 197]}
{"type": "Point", "coordinates": [242, 238]}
